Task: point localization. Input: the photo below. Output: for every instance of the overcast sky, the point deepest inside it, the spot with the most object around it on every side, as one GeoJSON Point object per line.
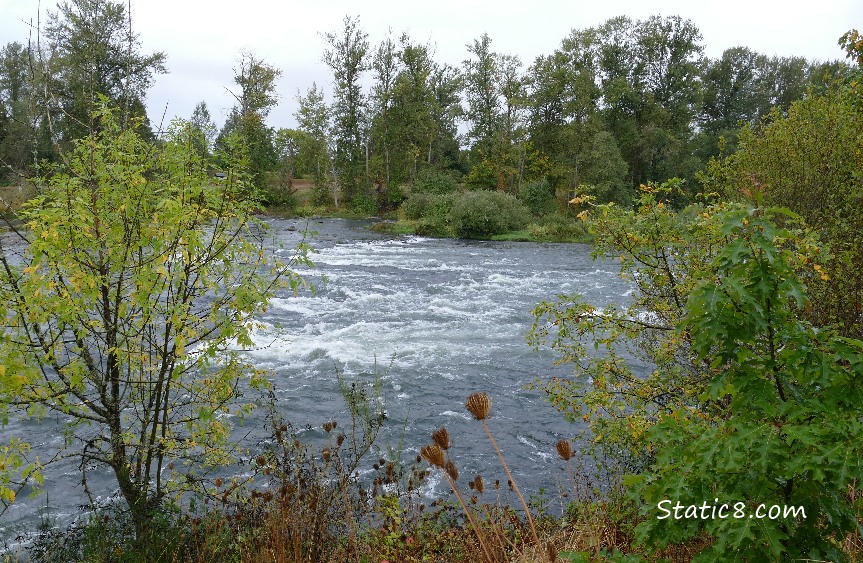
{"type": "Point", "coordinates": [202, 39]}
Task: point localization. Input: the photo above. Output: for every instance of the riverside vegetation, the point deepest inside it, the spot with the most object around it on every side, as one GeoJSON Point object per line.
{"type": "Point", "coordinates": [136, 279]}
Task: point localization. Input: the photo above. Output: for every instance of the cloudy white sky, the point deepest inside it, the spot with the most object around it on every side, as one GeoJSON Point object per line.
{"type": "Point", "coordinates": [202, 39]}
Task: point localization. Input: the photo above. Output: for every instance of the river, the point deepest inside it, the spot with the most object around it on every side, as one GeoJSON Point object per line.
{"type": "Point", "coordinates": [437, 319]}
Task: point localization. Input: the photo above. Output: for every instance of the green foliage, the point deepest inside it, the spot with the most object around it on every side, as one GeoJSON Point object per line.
{"type": "Point", "coordinates": [85, 65]}
{"type": "Point", "coordinates": [778, 376]}
{"type": "Point", "coordinates": [428, 206]}
{"type": "Point", "coordinates": [482, 176]}
{"type": "Point", "coordinates": [348, 60]}
{"type": "Point", "coordinates": [108, 536]}
{"type": "Point", "coordinates": [126, 310]}
{"type": "Point", "coordinates": [203, 129]}
{"type": "Point", "coordinates": [433, 181]}
{"type": "Point", "coordinates": [365, 204]}
{"type": "Point", "coordinates": [811, 161]}
{"type": "Point", "coordinates": [628, 359]}
{"type": "Point", "coordinates": [482, 213]}
{"type": "Point", "coordinates": [852, 42]}
{"type": "Point", "coordinates": [559, 227]}
{"type": "Point", "coordinates": [313, 145]}
{"type": "Point", "coordinates": [538, 197]}
{"type": "Point", "coordinates": [246, 122]}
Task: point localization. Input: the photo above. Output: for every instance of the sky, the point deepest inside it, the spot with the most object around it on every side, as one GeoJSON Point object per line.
{"type": "Point", "coordinates": [203, 39]}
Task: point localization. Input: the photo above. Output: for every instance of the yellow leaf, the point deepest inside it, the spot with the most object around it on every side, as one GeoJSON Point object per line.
{"type": "Point", "coordinates": [8, 495]}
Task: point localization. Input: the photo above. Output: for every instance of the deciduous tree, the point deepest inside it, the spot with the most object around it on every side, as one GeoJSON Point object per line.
{"type": "Point", "coordinates": [136, 284]}
{"type": "Point", "coordinates": [92, 51]}
{"type": "Point", "coordinates": [347, 58]}
{"type": "Point", "coordinates": [257, 96]}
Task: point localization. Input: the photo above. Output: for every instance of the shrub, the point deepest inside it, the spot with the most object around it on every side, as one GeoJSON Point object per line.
{"type": "Point", "coordinates": [777, 375]}
{"type": "Point", "coordinates": [428, 206]}
{"type": "Point", "coordinates": [432, 181]}
{"type": "Point", "coordinates": [480, 214]}
{"type": "Point", "coordinates": [664, 253]}
{"type": "Point", "coordinates": [364, 204]}
{"type": "Point", "coordinates": [559, 227]}
{"type": "Point", "coordinates": [810, 161]}
{"type": "Point", "coordinates": [538, 197]}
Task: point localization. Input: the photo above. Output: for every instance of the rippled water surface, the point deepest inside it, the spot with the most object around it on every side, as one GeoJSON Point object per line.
{"type": "Point", "coordinates": [438, 319]}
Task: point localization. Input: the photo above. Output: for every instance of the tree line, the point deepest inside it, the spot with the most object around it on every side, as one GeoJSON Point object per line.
{"type": "Point", "coordinates": [614, 106]}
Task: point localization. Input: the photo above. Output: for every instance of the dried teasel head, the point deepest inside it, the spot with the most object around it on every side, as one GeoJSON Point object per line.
{"type": "Point", "coordinates": [564, 450]}
{"type": "Point", "coordinates": [441, 438]}
{"type": "Point", "coordinates": [451, 469]}
{"type": "Point", "coordinates": [326, 454]}
{"type": "Point", "coordinates": [478, 484]}
{"type": "Point", "coordinates": [478, 404]}
{"type": "Point", "coordinates": [328, 426]}
{"type": "Point", "coordinates": [433, 454]}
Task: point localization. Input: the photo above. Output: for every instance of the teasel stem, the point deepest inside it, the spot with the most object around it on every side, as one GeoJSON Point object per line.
{"type": "Point", "coordinates": [514, 485]}
{"type": "Point", "coordinates": [454, 486]}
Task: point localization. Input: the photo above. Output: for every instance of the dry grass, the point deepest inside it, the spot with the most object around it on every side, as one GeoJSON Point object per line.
{"type": "Point", "coordinates": [310, 506]}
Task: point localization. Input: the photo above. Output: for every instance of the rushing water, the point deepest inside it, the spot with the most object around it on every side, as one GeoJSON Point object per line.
{"type": "Point", "coordinates": [437, 319]}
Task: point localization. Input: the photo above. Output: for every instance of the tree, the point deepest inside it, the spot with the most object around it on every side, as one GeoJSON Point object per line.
{"type": "Point", "coordinates": [138, 282]}
{"type": "Point", "coordinates": [347, 58]}
{"type": "Point", "coordinates": [731, 97]}
{"type": "Point", "coordinates": [446, 84]}
{"type": "Point", "coordinates": [412, 104]}
{"type": "Point", "coordinates": [496, 102]}
{"type": "Point", "coordinates": [413, 115]}
{"type": "Point", "coordinates": [247, 120]}
{"type": "Point", "coordinates": [315, 148]}
{"type": "Point", "coordinates": [649, 72]}
{"type": "Point", "coordinates": [17, 126]}
{"type": "Point", "coordinates": [385, 66]}
{"type": "Point", "coordinates": [482, 93]}
{"type": "Point", "coordinates": [204, 129]}
{"type": "Point", "coordinates": [563, 115]}
{"type": "Point", "coordinates": [93, 52]}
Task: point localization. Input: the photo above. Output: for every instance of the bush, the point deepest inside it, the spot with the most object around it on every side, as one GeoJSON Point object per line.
{"type": "Point", "coordinates": [432, 181]}
{"type": "Point", "coordinates": [428, 206]}
{"type": "Point", "coordinates": [810, 161]}
{"type": "Point", "coordinates": [538, 197]}
{"type": "Point", "coordinates": [777, 374]}
{"type": "Point", "coordinates": [559, 227]}
{"type": "Point", "coordinates": [481, 214]}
